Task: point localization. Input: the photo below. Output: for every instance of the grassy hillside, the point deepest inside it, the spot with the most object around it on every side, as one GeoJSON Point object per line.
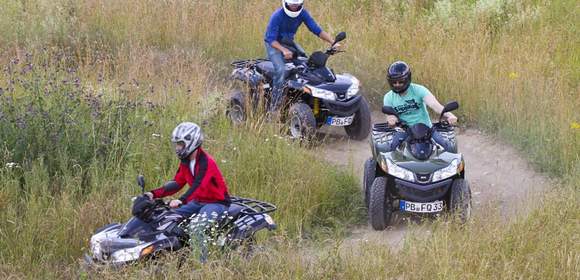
{"type": "Point", "coordinates": [90, 90]}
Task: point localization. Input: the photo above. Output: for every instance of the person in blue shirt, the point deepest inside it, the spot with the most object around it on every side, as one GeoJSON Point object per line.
{"type": "Point", "coordinates": [282, 26]}
{"type": "Point", "coordinates": [410, 101]}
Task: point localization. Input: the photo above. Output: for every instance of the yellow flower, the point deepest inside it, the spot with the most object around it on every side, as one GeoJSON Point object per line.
{"type": "Point", "coordinates": [513, 75]}
{"type": "Point", "coordinates": [575, 125]}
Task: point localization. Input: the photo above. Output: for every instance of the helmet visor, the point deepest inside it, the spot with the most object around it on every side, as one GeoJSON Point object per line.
{"type": "Point", "coordinates": [179, 148]}
{"type": "Point", "coordinates": [293, 7]}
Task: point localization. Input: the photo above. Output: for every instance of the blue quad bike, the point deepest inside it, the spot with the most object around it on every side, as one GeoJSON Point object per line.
{"type": "Point", "coordinates": [157, 229]}
{"type": "Point", "coordinates": [314, 95]}
{"type": "Point", "coordinates": [417, 177]}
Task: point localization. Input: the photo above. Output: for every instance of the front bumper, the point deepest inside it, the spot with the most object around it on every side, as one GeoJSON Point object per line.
{"type": "Point", "coordinates": [422, 192]}
{"type": "Point", "coordinates": [343, 108]}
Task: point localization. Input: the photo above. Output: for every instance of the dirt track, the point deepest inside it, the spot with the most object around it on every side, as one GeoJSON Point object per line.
{"type": "Point", "coordinates": [501, 181]}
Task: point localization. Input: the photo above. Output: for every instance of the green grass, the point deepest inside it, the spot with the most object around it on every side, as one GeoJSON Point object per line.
{"type": "Point", "coordinates": [77, 155]}
{"type": "Point", "coordinates": [144, 66]}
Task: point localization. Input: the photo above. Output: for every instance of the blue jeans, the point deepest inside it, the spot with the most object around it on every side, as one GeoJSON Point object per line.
{"type": "Point", "coordinates": [208, 214]}
{"type": "Point", "coordinates": [400, 136]}
{"type": "Point", "coordinates": [277, 59]}
{"type": "Point", "coordinates": [193, 207]}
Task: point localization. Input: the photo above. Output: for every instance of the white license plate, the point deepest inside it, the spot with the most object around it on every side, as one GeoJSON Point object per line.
{"type": "Point", "coordinates": [339, 121]}
{"type": "Point", "coordinates": [418, 207]}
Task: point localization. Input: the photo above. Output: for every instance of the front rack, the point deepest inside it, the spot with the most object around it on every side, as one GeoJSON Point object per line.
{"type": "Point", "coordinates": [252, 206]}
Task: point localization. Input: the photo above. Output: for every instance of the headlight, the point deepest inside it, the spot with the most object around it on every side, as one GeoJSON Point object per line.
{"type": "Point", "coordinates": [449, 171]}
{"type": "Point", "coordinates": [399, 172]}
{"type": "Point", "coordinates": [354, 88]}
{"type": "Point", "coordinates": [322, 93]}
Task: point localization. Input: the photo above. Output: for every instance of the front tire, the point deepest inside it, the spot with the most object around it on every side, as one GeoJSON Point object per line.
{"type": "Point", "coordinates": [368, 178]}
{"type": "Point", "coordinates": [361, 125]}
{"type": "Point", "coordinates": [381, 204]}
{"type": "Point", "coordinates": [460, 200]}
{"type": "Point", "coordinates": [302, 123]}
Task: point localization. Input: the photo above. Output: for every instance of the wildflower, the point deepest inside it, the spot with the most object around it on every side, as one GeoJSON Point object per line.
{"type": "Point", "coordinates": [513, 75]}
{"type": "Point", "coordinates": [575, 125]}
{"type": "Point", "coordinates": [11, 165]}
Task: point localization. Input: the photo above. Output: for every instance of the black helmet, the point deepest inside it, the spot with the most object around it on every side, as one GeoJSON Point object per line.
{"type": "Point", "coordinates": [399, 71]}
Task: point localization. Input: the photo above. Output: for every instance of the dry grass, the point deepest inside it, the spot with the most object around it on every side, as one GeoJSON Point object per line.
{"type": "Point", "coordinates": [514, 66]}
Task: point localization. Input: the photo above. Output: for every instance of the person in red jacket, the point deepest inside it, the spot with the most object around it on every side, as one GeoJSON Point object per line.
{"type": "Point", "coordinates": [208, 193]}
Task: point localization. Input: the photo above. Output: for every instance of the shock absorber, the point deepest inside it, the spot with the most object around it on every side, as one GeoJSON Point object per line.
{"type": "Point", "coordinates": [316, 106]}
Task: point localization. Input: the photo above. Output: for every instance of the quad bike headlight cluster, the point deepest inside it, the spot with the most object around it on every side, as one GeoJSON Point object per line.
{"type": "Point", "coordinates": [451, 170]}
{"type": "Point", "coordinates": [321, 93]}
{"type": "Point", "coordinates": [354, 88]}
{"type": "Point", "coordinates": [399, 172]}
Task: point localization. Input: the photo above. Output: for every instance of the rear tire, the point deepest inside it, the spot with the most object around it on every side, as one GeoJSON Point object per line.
{"type": "Point", "coordinates": [236, 111]}
{"type": "Point", "coordinates": [361, 125]}
{"type": "Point", "coordinates": [460, 200]}
{"type": "Point", "coordinates": [368, 178]}
{"type": "Point", "coordinates": [381, 204]}
{"type": "Point", "coordinates": [301, 121]}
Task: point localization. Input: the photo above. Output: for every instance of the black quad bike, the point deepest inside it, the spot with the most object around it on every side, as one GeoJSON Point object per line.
{"type": "Point", "coordinates": [157, 229]}
{"type": "Point", "coordinates": [313, 94]}
{"type": "Point", "coordinates": [419, 176]}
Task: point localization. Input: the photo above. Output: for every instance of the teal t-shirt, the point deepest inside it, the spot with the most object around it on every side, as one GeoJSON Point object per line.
{"type": "Point", "coordinates": [410, 106]}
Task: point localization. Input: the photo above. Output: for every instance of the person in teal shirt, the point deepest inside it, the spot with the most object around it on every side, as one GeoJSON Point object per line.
{"type": "Point", "coordinates": [410, 101]}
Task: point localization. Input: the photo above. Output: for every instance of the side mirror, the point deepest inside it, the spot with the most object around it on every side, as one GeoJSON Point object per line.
{"type": "Point", "coordinates": [451, 106]}
{"type": "Point", "coordinates": [388, 110]}
{"type": "Point", "coordinates": [339, 37]}
{"type": "Point", "coordinates": [141, 182]}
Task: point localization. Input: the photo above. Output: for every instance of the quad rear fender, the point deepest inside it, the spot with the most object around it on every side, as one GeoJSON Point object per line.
{"type": "Point", "coordinates": [248, 76]}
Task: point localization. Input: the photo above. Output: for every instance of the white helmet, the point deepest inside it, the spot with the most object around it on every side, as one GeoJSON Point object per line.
{"type": "Point", "coordinates": [190, 134]}
{"type": "Point", "coordinates": [289, 12]}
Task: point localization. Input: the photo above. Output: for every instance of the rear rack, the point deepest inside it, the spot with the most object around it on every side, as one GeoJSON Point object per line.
{"type": "Point", "coordinates": [252, 206]}
{"type": "Point", "coordinates": [382, 127]}
{"type": "Point", "coordinates": [247, 62]}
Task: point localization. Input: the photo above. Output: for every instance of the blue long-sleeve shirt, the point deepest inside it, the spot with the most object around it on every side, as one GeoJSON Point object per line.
{"type": "Point", "coordinates": [283, 26]}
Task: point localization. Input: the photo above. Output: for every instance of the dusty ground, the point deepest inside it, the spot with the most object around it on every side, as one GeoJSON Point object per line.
{"type": "Point", "coordinates": [501, 180]}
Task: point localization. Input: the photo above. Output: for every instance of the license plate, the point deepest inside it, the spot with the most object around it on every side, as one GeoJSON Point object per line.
{"type": "Point", "coordinates": [339, 121]}
{"type": "Point", "coordinates": [417, 207]}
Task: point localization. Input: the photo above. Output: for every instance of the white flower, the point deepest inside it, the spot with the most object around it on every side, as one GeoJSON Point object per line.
{"type": "Point", "coordinates": [12, 165]}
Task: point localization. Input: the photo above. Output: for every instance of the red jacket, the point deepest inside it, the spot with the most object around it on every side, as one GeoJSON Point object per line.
{"type": "Point", "coordinates": [207, 186]}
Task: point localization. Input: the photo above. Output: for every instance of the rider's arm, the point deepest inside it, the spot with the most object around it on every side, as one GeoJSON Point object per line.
{"type": "Point", "coordinates": [312, 25]}
{"type": "Point", "coordinates": [275, 44]}
{"type": "Point", "coordinates": [326, 37]}
{"type": "Point", "coordinates": [391, 119]}
{"type": "Point", "coordinates": [170, 187]}
{"type": "Point", "coordinates": [272, 31]}
{"type": "Point", "coordinates": [315, 28]}
{"type": "Point", "coordinates": [434, 104]}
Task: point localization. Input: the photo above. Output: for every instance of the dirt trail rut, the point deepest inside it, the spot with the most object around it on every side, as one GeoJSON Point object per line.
{"type": "Point", "coordinates": [500, 179]}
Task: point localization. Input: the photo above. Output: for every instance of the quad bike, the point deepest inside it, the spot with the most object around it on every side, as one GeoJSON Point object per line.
{"type": "Point", "coordinates": [419, 176]}
{"type": "Point", "coordinates": [158, 229]}
{"type": "Point", "coordinates": [313, 94]}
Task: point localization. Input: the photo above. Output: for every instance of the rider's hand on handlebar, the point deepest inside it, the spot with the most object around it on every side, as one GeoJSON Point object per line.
{"type": "Point", "coordinates": [175, 203]}
{"type": "Point", "coordinates": [287, 54]}
{"type": "Point", "coordinates": [392, 120]}
{"type": "Point", "coordinates": [451, 118]}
